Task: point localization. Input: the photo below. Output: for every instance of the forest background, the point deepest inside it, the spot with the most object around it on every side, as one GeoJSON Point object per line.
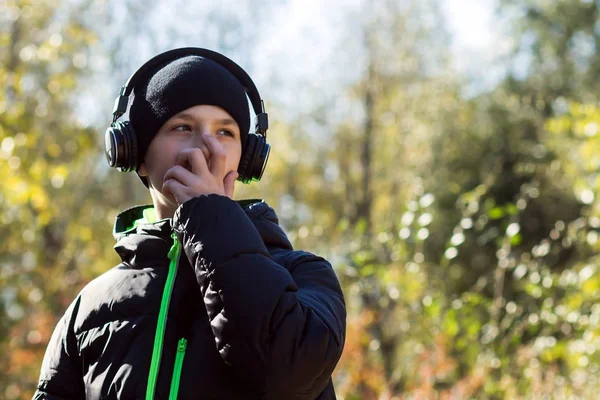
{"type": "Point", "coordinates": [454, 189]}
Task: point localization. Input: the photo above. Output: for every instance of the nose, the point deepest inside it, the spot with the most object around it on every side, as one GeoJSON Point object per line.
{"type": "Point", "coordinates": [198, 142]}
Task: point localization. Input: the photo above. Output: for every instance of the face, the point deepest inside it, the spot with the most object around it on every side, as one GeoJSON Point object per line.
{"type": "Point", "coordinates": [184, 131]}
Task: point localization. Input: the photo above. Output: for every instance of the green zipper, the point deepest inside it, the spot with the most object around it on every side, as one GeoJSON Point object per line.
{"type": "Point", "coordinates": [181, 346]}
{"type": "Point", "coordinates": [173, 255]}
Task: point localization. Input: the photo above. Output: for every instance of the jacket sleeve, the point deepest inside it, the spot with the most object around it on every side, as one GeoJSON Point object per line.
{"type": "Point", "coordinates": [281, 329]}
{"type": "Point", "coordinates": [60, 376]}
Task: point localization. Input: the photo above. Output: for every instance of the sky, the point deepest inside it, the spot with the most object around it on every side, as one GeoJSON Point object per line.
{"type": "Point", "coordinates": [308, 31]}
{"type": "Point", "coordinates": [478, 40]}
{"type": "Point", "coordinates": [308, 28]}
{"type": "Point", "coordinates": [472, 22]}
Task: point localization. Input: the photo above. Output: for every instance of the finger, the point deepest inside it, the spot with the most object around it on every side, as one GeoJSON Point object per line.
{"type": "Point", "coordinates": [183, 161]}
{"type": "Point", "coordinates": [229, 183]}
{"type": "Point", "coordinates": [177, 189]}
{"type": "Point", "coordinates": [194, 159]}
{"type": "Point", "coordinates": [179, 173]}
{"type": "Point", "coordinates": [218, 156]}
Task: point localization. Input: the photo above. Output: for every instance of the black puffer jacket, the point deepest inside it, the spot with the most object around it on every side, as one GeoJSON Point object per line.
{"type": "Point", "coordinates": [224, 308]}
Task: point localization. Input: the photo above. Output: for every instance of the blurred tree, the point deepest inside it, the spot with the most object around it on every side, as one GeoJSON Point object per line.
{"type": "Point", "coordinates": [510, 231]}
{"type": "Point", "coordinates": [53, 228]}
{"type": "Point", "coordinates": [402, 98]}
{"type": "Point", "coordinates": [556, 49]}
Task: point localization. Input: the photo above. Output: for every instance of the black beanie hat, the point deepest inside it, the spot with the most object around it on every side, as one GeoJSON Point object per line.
{"type": "Point", "coordinates": [179, 85]}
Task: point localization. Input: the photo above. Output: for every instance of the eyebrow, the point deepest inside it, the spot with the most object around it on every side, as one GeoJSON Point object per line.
{"type": "Point", "coordinates": [221, 121]}
{"type": "Point", "coordinates": [226, 121]}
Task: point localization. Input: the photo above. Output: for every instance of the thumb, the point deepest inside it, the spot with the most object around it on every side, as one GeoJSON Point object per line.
{"type": "Point", "coordinates": [229, 183]}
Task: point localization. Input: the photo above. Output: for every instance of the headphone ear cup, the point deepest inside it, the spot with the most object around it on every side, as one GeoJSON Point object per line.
{"type": "Point", "coordinates": [132, 151]}
{"type": "Point", "coordinates": [254, 158]}
{"type": "Point", "coordinates": [247, 156]}
{"type": "Point", "coordinates": [261, 156]}
{"type": "Point", "coordinates": [111, 146]}
{"type": "Point", "coordinates": [120, 142]}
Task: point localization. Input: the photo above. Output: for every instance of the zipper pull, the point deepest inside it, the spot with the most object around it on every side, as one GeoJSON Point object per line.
{"type": "Point", "coordinates": [181, 345]}
{"type": "Point", "coordinates": [174, 250]}
{"type": "Point", "coordinates": [177, 367]}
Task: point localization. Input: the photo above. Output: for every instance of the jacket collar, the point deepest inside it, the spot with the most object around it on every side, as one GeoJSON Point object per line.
{"type": "Point", "coordinates": [142, 241]}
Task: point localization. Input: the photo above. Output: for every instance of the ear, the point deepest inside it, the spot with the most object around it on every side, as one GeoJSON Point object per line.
{"type": "Point", "coordinates": [142, 170]}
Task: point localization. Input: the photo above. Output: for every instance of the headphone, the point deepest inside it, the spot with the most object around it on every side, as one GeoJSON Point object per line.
{"type": "Point", "coordinates": [120, 139]}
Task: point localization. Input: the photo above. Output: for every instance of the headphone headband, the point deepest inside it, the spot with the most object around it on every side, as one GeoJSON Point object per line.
{"type": "Point", "coordinates": [122, 100]}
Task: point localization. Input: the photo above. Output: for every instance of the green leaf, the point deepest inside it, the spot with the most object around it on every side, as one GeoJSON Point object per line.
{"type": "Point", "coordinates": [516, 240]}
{"type": "Point", "coordinates": [450, 325]}
{"type": "Point", "coordinates": [496, 213]}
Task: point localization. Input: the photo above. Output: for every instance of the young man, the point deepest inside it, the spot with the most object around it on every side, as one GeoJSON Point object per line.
{"type": "Point", "coordinates": [210, 300]}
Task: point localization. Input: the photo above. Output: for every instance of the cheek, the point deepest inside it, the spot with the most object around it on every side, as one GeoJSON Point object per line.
{"type": "Point", "coordinates": [234, 152]}
{"type": "Point", "coordinates": [161, 156]}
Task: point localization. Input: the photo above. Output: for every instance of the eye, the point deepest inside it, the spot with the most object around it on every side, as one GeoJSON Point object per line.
{"type": "Point", "coordinates": [182, 128]}
{"type": "Point", "coordinates": [225, 132]}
